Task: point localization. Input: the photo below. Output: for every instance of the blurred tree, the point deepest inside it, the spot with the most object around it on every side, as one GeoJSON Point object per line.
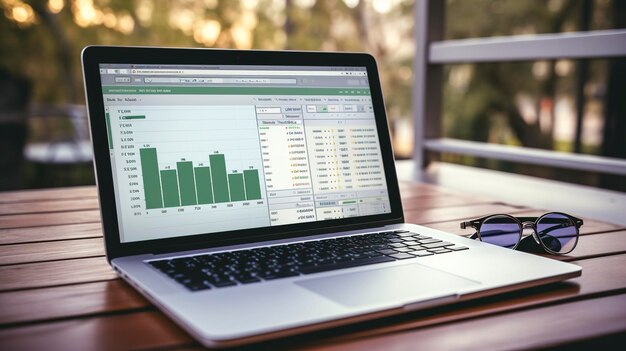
{"type": "Point", "coordinates": [493, 91]}
{"type": "Point", "coordinates": [508, 103]}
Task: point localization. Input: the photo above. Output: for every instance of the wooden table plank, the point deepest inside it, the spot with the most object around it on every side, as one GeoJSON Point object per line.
{"type": "Point", "coordinates": [50, 251]}
{"type": "Point", "coordinates": [49, 194]}
{"type": "Point", "coordinates": [32, 337]}
{"type": "Point", "coordinates": [528, 329]}
{"type": "Point", "coordinates": [49, 206]}
{"type": "Point", "coordinates": [38, 275]}
{"type": "Point", "coordinates": [595, 281]}
{"type": "Point", "coordinates": [50, 233]}
{"type": "Point", "coordinates": [601, 244]}
{"type": "Point", "coordinates": [69, 301]}
{"type": "Point", "coordinates": [601, 275]}
{"type": "Point", "coordinates": [421, 189]}
{"type": "Point", "coordinates": [590, 226]}
{"type": "Point", "coordinates": [588, 246]}
{"type": "Point", "coordinates": [445, 214]}
{"type": "Point", "coordinates": [439, 200]}
{"type": "Point", "coordinates": [92, 230]}
{"type": "Point", "coordinates": [118, 332]}
{"type": "Point", "coordinates": [98, 305]}
{"type": "Point", "coordinates": [46, 219]}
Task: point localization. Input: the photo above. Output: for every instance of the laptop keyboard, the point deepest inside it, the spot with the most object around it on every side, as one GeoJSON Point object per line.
{"type": "Point", "coordinates": [223, 269]}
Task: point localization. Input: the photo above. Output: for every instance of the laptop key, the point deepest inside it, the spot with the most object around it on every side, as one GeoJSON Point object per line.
{"type": "Point", "coordinates": [224, 284]}
{"type": "Point", "coordinates": [429, 241]}
{"type": "Point", "coordinates": [457, 248]}
{"type": "Point", "coordinates": [270, 275]}
{"type": "Point", "coordinates": [220, 281]}
{"type": "Point", "coordinates": [347, 264]}
{"type": "Point", "coordinates": [402, 255]}
{"type": "Point", "coordinates": [246, 278]}
{"type": "Point", "coordinates": [405, 234]}
{"type": "Point", "coordinates": [421, 253]}
{"type": "Point", "coordinates": [417, 248]}
{"type": "Point", "coordinates": [198, 286]}
{"type": "Point", "coordinates": [388, 251]}
{"type": "Point", "coordinates": [397, 245]}
{"type": "Point", "coordinates": [436, 245]}
{"type": "Point", "coordinates": [435, 249]}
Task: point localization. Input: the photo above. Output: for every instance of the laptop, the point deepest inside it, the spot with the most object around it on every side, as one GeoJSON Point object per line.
{"type": "Point", "coordinates": [252, 195]}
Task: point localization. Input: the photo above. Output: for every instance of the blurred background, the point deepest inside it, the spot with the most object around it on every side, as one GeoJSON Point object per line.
{"type": "Point", "coordinates": [555, 104]}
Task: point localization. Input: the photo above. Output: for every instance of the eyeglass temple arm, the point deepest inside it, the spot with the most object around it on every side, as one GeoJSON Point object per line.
{"type": "Point", "coordinates": [471, 224]}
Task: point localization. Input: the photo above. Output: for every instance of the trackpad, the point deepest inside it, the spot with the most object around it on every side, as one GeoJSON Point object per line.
{"type": "Point", "coordinates": [393, 284]}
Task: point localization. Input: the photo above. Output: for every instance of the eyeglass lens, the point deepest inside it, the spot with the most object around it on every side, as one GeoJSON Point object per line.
{"type": "Point", "coordinates": [501, 230]}
{"type": "Point", "coordinates": [557, 232]}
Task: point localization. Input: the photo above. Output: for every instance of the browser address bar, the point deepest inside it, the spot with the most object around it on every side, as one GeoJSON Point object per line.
{"type": "Point", "coordinates": [243, 72]}
{"type": "Point", "coordinates": [211, 80]}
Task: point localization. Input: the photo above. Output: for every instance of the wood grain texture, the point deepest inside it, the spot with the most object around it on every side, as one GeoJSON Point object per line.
{"type": "Point", "coordinates": [420, 189]}
{"type": "Point", "coordinates": [589, 246]}
{"type": "Point", "coordinates": [49, 206]}
{"type": "Point", "coordinates": [439, 200]}
{"type": "Point", "coordinates": [601, 275]}
{"type": "Point", "coordinates": [433, 215]}
{"type": "Point", "coordinates": [50, 233]}
{"type": "Point", "coordinates": [590, 226]}
{"type": "Point", "coordinates": [49, 194]}
{"type": "Point", "coordinates": [49, 251]}
{"type": "Point", "coordinates": [86, 331]}
{"type": "Point", "coordinates": [119, 332]}
{"type": "Point", "coordinates": [528, 329]}
{"type": "Point", "coordinates": [601, 244]}
{"type": "Point", "coordinates": [46, 219]}
{"type": "Point", "coordinates": [69, 301]}
{"type": "Point", "coordinates": [42, 274]}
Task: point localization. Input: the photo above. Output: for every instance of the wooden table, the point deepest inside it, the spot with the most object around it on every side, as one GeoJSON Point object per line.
{"type": "Point", "coordinates": [58, 292]}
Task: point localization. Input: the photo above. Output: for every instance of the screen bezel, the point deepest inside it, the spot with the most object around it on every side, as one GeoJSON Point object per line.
{"type": "Point", "coordinates": [93, 56]}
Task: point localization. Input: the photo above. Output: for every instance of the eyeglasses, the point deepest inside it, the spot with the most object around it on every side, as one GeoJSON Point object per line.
{"type": "Point", "coordinates": [555, 232]}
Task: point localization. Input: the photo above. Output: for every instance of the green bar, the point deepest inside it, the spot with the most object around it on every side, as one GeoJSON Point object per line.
{"type": "Point", "coordinates": [151, 179]}
{"type": "Point", "coordinates": [186, 183]}
{"type": "Point", "coordinates": [235, 183]}
{"type": "Point", "coordinates": [220, 180]}
{"type": "Point", "coordinates": [170, 188]}
{"type": "Point", "coordinates": [253, 189]}
{"type": "Point", "coordinates": [203, 185]}
{"type": "Point", "coordinates": [163, 90]}
{"type": "Point", "coordinates": [133, 117]}
{"type": "Point", "coordinates": [107, 118]}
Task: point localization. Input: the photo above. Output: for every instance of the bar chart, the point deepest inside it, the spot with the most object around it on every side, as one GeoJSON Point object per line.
{"type": "Point", "coordinates": [196, 167]}
{"type": "Point", "coordinates": [188, 184]}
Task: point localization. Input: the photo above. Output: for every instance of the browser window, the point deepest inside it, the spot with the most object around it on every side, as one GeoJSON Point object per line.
{"type": "Point", "coordinates": [201, 149]}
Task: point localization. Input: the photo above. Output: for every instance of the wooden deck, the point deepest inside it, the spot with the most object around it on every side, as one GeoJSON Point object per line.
{"type": "Point", "coordinates": [58, 292]}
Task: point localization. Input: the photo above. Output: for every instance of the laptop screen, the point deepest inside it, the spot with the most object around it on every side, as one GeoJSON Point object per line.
{"type": "Point", "coordinates": [206, 149]}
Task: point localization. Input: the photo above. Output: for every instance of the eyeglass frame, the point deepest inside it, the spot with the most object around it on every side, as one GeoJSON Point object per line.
{"type": "Point", "coordinates": [525, 222]}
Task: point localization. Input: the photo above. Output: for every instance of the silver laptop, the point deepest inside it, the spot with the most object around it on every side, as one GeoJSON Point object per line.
{"type": "Point", "coordinates": [252, 195]}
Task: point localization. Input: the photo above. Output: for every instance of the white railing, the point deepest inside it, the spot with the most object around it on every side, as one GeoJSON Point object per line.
{"type": "Point", "coordinates": [432, 52]}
